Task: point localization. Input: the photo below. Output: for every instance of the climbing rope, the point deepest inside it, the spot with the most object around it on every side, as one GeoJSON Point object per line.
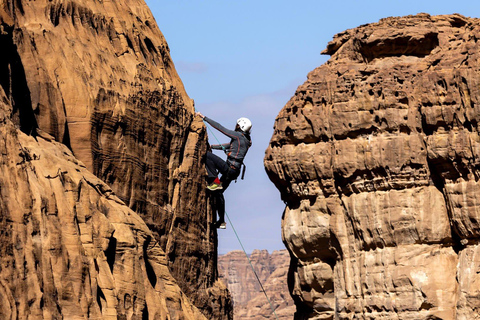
{"type": "Point", "coordinates": [213, 134]}
{"type": "Point", "coordinates": [251, 265]}
{"type": "Point", "coordinates": [238, 238]}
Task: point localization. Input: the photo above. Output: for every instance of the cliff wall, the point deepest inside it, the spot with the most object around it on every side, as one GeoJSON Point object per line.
{"type": "Point", "coordinates": [377, 156]}
{"type": "Point", "coordinates": [97, 77]}
{"type": "Point", "coordinates": [70, 247]}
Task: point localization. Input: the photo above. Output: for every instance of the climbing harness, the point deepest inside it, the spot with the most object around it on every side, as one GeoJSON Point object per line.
{"type": "Point", "coordinates": [238, 238]}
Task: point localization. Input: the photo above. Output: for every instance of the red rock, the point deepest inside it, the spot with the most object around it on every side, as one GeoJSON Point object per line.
{"type": "Point", "coordinates": [249, 300]}
{"type": "Point", "coordinates": [70, 247]}
{"type": "Point", "coordinates": [97, 76]}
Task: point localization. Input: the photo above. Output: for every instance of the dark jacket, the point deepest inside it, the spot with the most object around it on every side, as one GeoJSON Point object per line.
{"type": "Point", "coordinates": [238, 146]}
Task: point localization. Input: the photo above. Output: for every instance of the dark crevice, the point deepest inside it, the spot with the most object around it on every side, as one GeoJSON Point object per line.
{"type": "Point", "coordinates": [66, 136]}
{"type": "Point", "coordinates": [110, 252]}
{"type": "Point", "coordinates": [164, 52]}
{"type": "Point", "coordinates": [451, 169]}
{"type": "Point", "coordinates": [439, 183]}
{"type": "Point", "coordinates": [150, 46]}
{"type": "Point", "coordinates": [426, 305]}
{"type": "Point", "coordinates": [145, 313]}
{"type": "Point", "coordinates": [152, 277]}
{"type": "Point", "coordinates": [54, 16]}
{"type": "Point", "coordinates": [301, 307]}
{"type": "Point", "coordinates": [129, 43]}
{"type": "Point", "coordinates": [465, 94]}
{"type": "Point", "coordinates": [183, 145]}
{"type": "Point", "coordinates": [14, 83]}
{"type": "Point", "coordinates": [458, 22]}
{"type": "Point", "coordinates": [143, 49]}
{"type": "Point", "coordinates": [100, 297]}
{"type": "Point", "coordinates": [59, 309]}
{"type": "Point", "coordinates": [434, 63]}
{"type": "Point", "coordinates": [405, 129]}
{"type": "Point", "coordinates": [16, 5]}
{"type": "Point", "coordinates": [427, 129]}
{"type": "Point", "coordinates": [399, 46]}
{"type": "Point", "coordinates": [74, 13]}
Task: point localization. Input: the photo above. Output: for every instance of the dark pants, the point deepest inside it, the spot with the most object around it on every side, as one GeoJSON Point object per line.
{"type": "Point", "coordinates": [216, 165]}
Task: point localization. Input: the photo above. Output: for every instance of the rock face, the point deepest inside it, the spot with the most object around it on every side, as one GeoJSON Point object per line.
{"type": "Point", "coordinates": [377, 156]}
{"type": "Point", "coordinates": [97, 77]}
{"type": "Point", "coordinates": [249, 300]}
{"type": "Point", "coordinates": [70, 247]}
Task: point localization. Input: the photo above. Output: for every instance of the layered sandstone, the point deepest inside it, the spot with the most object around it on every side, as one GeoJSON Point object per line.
{"type": "Point", "coordinates": [97, 77]}
{"type": "Point", "coordinates": [71, 249]}
{"type": "Point", "coordinates": [249, 300]}
{"type": "Point", "coordinates": [377, 156]}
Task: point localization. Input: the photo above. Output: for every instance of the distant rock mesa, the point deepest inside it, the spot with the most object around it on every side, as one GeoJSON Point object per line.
{"type": "Point", "coordinates": [250, 302]}
{"type": "Point", "coordinates": [102, 196]}
{"type": "Point", "coordinates": [377, 156]}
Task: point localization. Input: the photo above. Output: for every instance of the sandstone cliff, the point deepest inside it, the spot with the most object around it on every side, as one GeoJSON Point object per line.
{"type": "Point", "coordinates": [377, 156]}
{"type": "Point", "coordinates": [249, 300]}
{"type": "Point", "coordinates": [97, 77]}
{"type": "Point", "coordinates": [70, 248]}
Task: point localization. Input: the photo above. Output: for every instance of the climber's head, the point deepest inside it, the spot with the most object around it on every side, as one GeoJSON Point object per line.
{"type": "Point", "coordinates": [244, 125]}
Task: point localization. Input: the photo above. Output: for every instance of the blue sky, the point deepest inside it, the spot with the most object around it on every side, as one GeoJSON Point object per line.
{"type": "Point", "coordinates": [246, 58]}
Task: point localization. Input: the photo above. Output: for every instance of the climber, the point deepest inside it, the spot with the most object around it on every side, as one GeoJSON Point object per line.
{"type": "Point", "coordinates": [230, 169]}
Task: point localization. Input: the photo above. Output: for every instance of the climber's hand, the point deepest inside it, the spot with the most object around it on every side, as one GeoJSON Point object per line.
{"type": "Point", "coordinates": [199, 114]}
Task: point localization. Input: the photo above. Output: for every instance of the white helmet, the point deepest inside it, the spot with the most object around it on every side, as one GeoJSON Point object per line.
{"type": "Point", "coordinates": [244, 124]}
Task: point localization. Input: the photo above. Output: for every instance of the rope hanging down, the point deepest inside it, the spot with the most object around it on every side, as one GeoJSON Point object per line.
{"type": "Point", "coordinates": [250, 262]}
{"type": "Point", "coordinates": [238, 238]}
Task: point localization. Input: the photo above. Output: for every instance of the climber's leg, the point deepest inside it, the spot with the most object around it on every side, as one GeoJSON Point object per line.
{"type": "Point", "coordinates": [220, 206]}
{"type": "Point", "coordinates": [228, 177]}
{"type": "Point", "coordinates": [214, 165]}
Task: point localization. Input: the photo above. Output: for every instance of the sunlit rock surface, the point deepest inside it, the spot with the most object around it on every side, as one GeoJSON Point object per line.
{"type": "Point", "coordinates": [97, 77]}
{"type": "Point", "coordinates": [71, 249]}
{"type": "Point", "coordinates": [377, 156]}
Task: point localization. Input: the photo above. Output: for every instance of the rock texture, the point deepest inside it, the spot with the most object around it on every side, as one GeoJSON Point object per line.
{"type": "Point", "coordinates": [249, 300]}
{"type": "Point", "coordinates": [71, 249]}
{"type": "Point", "coordinates": [97, 77]}
{"type": "Point", "coordinates": [377, 156]}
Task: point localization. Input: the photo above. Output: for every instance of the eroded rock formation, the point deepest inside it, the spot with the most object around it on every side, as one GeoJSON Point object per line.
{"type": "Point", "coordinates": [249, 300]}
{"type": "Point", "coordinates": [377, 156]}
{"type": "Point", "coordinates": [97, 77]}
{"type": "Point", "coordinates": [70, 247]}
